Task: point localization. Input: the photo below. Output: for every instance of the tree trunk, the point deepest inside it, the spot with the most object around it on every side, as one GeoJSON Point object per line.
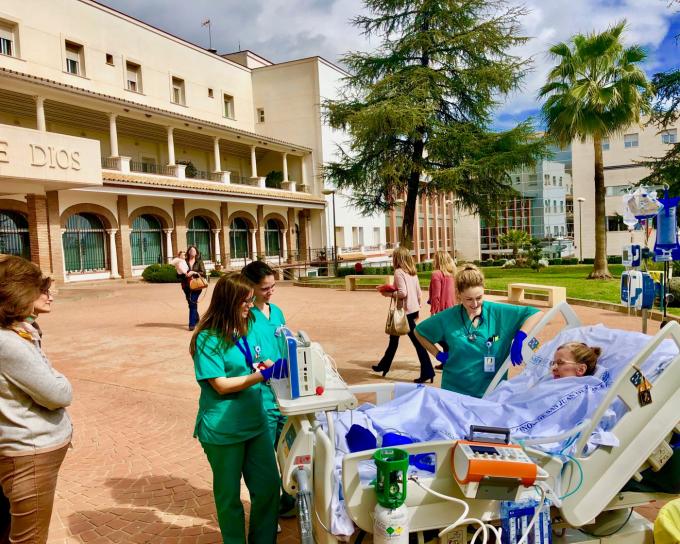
{"type": "Point", "coordinates": [408, 221]}
{"type": "Point", "coordinates": [600, 268]}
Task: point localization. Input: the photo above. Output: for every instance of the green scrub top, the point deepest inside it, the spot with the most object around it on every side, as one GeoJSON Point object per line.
{"type": "Point", "coordinates": [234, 417]}
{"type": "Point", "coordinates": [266, 345]}
{"type": "Point", "coordinates": [464, 370]}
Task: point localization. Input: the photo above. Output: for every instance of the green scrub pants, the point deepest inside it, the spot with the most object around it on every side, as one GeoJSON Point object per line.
{"type": "Point", "coordinates": [254, 458]}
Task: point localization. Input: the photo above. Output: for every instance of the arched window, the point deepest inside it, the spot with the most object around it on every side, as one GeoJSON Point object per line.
{"type": "Point", "coordinates": [198, 235]}
{"type": "Point", "coordinates": [272, 238]}
{"type": "Point", "coordinates": [239, 238]}
{"type": "Point", "coordinates": [146, 241]}
{"type": "Point", "coordinates": [14, 238]}
{"type": "Point", "coordinates": [85, 244]}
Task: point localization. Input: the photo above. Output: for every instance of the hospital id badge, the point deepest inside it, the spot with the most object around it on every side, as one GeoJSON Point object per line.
{"type": "Point", "coordinates": [489, 364]}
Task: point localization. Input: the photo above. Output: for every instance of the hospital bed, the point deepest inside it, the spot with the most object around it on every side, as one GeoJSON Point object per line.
{"type": "Point", "coordinates": [594, 495]}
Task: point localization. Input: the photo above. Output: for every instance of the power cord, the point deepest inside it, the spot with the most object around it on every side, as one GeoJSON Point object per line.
{"type": "Point", "coordinates": [630, 513]}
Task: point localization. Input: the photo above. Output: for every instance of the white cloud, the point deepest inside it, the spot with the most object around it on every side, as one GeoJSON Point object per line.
{"type": "Point", "coordinates": [282, 30]}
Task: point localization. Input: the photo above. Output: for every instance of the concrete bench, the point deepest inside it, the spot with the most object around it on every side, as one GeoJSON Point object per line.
{"type": "Point", "coordinates": [555, 294]}
{"type": "Point", "coordinates": [351, 280]}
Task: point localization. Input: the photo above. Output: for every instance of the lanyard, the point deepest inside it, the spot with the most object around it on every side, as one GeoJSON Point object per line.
{"type": "Point", "coordinates": [245, 349]}
{"type": "Point", "coordinates": [470, 332]}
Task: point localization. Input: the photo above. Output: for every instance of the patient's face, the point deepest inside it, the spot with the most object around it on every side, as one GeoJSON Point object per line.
{"type": "Point", "coordinates": [564, 366]}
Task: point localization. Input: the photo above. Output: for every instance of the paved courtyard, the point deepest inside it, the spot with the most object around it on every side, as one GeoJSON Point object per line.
{"type": "Point", "coordinates": [135, 474]}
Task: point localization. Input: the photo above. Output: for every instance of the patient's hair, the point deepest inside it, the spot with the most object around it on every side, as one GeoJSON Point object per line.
{"type": "Point", "coordinates": [469, 276]}
{"type": "Point", "coordinates": [584, 354]}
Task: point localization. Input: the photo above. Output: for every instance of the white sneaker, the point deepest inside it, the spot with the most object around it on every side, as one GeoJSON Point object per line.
{"type": "Point", "coordinates": [278, 527]}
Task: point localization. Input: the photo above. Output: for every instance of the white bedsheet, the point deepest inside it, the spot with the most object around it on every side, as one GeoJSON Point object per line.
{"type": "Point", "coordinates": [531, 405]}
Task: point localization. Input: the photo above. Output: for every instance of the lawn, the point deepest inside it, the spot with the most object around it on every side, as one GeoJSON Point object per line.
{"type": "Point", "coordinates": [573, 277]}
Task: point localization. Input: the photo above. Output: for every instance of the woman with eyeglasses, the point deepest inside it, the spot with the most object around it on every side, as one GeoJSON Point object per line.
{"type": "Point", "coordinates": [231, 424]}
{"type": "Point", "coordinates": [35, 429]}
{"type": "Point", "coordinates": [575, 359]}
{"type": "Point", "coordinates": [267, 319]}
{"type": "Point", "coordinates": [479, 334]}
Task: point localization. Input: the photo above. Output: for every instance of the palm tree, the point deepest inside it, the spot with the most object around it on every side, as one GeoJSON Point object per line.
{"type": "Point", "coordinates": [515, 240]}
{"type": "Point", "coordinates": [595, 89]}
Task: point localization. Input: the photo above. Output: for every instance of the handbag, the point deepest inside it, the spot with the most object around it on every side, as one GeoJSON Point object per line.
{"type": "Point", "coordinates": [397, 324]}
{"type": "Point", "coordinates": [197, 283]}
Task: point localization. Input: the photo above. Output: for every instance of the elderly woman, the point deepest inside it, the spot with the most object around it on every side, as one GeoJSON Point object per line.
{"type": "Point", "coordinates": [35, 430]}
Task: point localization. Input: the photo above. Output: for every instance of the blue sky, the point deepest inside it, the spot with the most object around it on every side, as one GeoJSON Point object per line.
{"type": "Point", "coordinates": [282, 30]}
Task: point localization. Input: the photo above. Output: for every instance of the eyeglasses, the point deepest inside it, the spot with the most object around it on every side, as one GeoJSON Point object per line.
{"type": "Point", "coordinates": [267, 289]}
{"type": "Point", "coordinates": [249, 301]}
{"type": "Point", "coordinates": [48, 292]}
{"type": "Point", "coordinates": [560, 364]}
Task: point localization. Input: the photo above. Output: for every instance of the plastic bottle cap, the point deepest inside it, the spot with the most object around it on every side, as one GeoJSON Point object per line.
{"type": "Point", "coordinates": [319, 390]}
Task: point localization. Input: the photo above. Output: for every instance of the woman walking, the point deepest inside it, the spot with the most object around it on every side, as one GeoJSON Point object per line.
{"type": "Point", "coordinates": [231, 424]}
{"type": "Point", "coordinates": [408, 295]}
{"type": "Point", "coordinates": [35, 430]}
{"type": "Point", "coordinates": [442, 290]}
{"type": "Point", "coordinates": [195, 268]}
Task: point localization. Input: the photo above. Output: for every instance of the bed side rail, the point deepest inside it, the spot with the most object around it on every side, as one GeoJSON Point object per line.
{"type": "Point", "coordinates": [384, 392]}
{"type": "Point", "coordinates": [640, 432]}
{"type": "Point", "coordinates": [571, 320]}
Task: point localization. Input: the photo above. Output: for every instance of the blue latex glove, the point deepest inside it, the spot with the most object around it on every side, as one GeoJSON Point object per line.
{"type": "Point", "coordinates": [516, 348]}
{"type": "Point", "coordinates": [278, 370]}
{"type": "Point", "coordinates": [442, 357]}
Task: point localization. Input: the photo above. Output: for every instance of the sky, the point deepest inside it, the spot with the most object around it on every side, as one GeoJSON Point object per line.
{"type": "Point", "coordinates": [282, 30]}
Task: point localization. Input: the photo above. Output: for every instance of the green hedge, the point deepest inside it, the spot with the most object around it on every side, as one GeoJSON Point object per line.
{"type": "Point", "coordinates": [160, 273]}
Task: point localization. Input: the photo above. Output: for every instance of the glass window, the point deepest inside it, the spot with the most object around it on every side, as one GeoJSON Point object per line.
{"type": "Point", "coordinates": [146, 239]}
{"type": "Point", "coordinates": [554, 180]}
{"type": "Point", "coordinates": [133, 77]}
{"type": "Point", "coordinates": [14, 238]}
{"type": "Point", "coordinates": [239, 239]}
{"type": "Point", "coordinates": [199, 235]}
{"type": "Point", "coordinates": [85, 244]}
{"type": "Point", "coordinates": [229, 106]}
{"type": "Point", "coordinates": [669, 136]}
{"type": "Point", "coordinates": [260, 115]}
{"type": "Point", "coordinates": [74, 59]}
{"type": "Point", "coordinates": [7, 31]}
{"type": "Point", "coordinates": [605, 144]}
{"type": "Point", "coordinates": [178, 91]}
{"type": "Point", "coordinates": [630, 140]}
{"type": "Point", "coordinates": [272, 238]}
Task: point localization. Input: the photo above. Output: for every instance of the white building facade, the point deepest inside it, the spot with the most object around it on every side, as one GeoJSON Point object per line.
{"type": "Point", "coordinates": [121, 144]}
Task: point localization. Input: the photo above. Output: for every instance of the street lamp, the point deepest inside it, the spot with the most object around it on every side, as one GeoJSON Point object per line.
{"type": "Point", "coordinates": [580, 201]}
{"type": "Point", "coordinates": [335, 234]}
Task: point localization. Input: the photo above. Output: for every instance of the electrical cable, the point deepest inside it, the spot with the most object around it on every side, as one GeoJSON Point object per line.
{"type": "Point", "coordinates": [630, 513]}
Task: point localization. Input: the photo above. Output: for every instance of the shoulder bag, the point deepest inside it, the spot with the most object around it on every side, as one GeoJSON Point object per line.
{"type": "Point", "coordinates": [397, 324]}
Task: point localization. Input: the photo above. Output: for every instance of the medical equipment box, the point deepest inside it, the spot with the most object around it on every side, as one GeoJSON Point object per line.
{"type": "Point", "coordinates": [637, 289]}
{"type": "Point", "coordinates": [306, 366]}
{"type": "Point", "coordinates": [475, 461]}
{"type": "Point", "coordinates": [631, 255]}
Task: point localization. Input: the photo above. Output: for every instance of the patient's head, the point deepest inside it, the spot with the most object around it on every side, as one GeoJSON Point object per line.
{"type": "Point", "coordinates": [575, 359]}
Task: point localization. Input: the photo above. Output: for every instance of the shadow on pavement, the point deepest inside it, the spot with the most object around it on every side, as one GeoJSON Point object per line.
{"type": "Point", "coordinates": [169, 494]}
{"type": "Point", "coordinates": [161, 326]}
{"type": "Point", "coordinates": [137, 525]}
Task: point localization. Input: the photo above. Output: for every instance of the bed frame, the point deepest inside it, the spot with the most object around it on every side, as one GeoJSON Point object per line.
{"type": "Point", "coordinates": [643, 431]}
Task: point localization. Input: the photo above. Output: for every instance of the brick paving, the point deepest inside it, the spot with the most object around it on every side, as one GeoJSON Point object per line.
{"type": "Point", "coordinates": [135, 473]}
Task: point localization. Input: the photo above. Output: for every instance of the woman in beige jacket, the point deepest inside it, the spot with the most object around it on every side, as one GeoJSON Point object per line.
{"type": "Point", "coordinates": [408, 295]}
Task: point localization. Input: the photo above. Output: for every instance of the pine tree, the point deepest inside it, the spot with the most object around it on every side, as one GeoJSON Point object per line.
{"type": "Point", "coordinates": [418, 109]}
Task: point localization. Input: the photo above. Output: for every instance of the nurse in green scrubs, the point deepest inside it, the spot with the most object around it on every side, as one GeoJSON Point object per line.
{"type": "Point", "coordinates": [480, 335]}
{"type": "Point", "coordinates": [231, 422]}
{"type": "Point", "coordinates": [267, 319]}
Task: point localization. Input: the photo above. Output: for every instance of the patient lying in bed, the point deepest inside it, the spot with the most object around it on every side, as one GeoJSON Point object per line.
{"type": "Point", "coordinates": [532, 405]}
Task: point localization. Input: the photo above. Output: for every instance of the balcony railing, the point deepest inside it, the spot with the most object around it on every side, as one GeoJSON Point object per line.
{"type": "Point", "coordinates": [150, 168]}
{"type": "Point", "coordinates": [110, 163]}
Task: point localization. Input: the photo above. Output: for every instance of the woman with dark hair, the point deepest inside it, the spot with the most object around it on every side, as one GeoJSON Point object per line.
{"type": "Point", "coordinates": [267, 319]}
{"type": "Point", "coordinates": [231, 422]}
{"type": "Point", "coordinates": [35, 430]}
{"type": "Point", "coordinates": [195, 268]}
